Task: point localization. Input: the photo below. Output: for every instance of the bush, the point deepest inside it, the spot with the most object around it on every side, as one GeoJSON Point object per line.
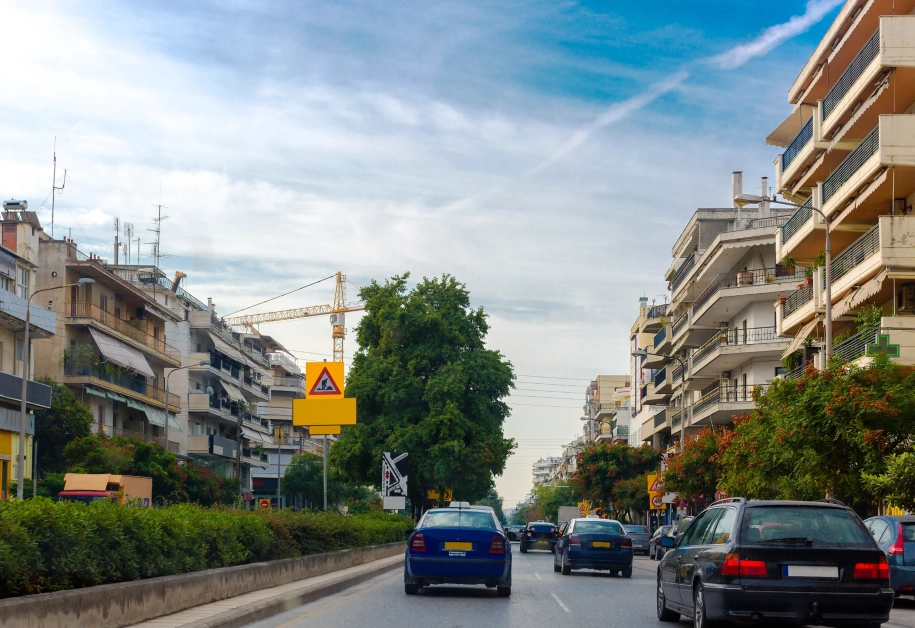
{"type": "Point", "coordinates": [53, 546]}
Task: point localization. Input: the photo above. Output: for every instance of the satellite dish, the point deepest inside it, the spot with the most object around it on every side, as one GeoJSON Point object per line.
{"type": "Point", "coordinates": [210, 390]}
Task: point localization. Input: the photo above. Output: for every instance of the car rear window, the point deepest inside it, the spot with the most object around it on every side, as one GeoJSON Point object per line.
{"type": "Point", "coordinates": [459, 519]}
{"type": "Point", "coordinates": [635, 529]}
{"type": "Point", "coordinates": [542, 528]}
{"type": "Point", "coordinates": [597, 527]}
{"type": "Point", "coordinates": [794, 524]}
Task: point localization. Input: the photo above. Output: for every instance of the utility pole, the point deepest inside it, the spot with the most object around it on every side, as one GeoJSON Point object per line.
{"type": "Point", "coordinates": [279, 466]}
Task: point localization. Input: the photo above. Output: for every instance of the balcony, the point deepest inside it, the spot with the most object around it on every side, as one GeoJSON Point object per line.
{"type": "Point", "coordinates": [682, 273]}
{"type": "Point", "coordinates": [719, 406]}
{"type": "Point", "coordinates": [113, 379]}
{"type": "Point", "coordinates": [732, 347]}
{"type": "Point", "coordinates": [662, 340]}
{"type": "Point", "coordinates": [285, 362]}
{"type": "Point", "coordinates": [888, 244]}
{"type": "Point", "coordinates": [43, 323]}
{"type": "Point", "coordinates": [662, 380]}
{"type": "Point", "coordinates": [37, 395]}
{"type": "Point", "coordinates": [799, 218]}
{"type": "Point", "coordinates": [294, 384]}
{"type": "Point", "coordinates": [654, 318]}
{"type": "Point", "coordinates": [131, 332]}
{"type": "Point", "coordinates": [855, 346]}
{"type": "Point", "coordinates": [605, 411]}
{"type": "Point", "coordinates": [660, 422]}
{"type": "Point", "coordinates": [798, 299]}
{"type": "Point", "coordinates": [212, 446]}
{"type": "Point", "coordinates": [679, 325]}
{"type": "Point", "coordinates": [731, 292]}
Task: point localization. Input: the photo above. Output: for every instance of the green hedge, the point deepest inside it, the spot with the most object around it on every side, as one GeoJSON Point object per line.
{"type": "Point", "coordinates": [52, 546]}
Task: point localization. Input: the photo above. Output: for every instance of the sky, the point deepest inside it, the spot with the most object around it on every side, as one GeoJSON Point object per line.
{"type": "Point", "coordinates": [545, 153]}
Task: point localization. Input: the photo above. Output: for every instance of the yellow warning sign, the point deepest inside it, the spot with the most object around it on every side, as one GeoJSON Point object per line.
{"type": "Point", "coordinates": [310, 412]}
{"type": "Point", "coordinates": [448, 497]}
{"type": "Point", "coordinates": [324, 380]}
{"type": "Point", "coordinates": [584, 508]}
{"type": "Point", "coordinates": [324, 430]}
{"type": "Point", "coordinates": [655, 492]}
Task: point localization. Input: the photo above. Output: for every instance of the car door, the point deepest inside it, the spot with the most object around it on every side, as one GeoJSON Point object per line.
{"type": "Point", "coordinates": [687, 553]}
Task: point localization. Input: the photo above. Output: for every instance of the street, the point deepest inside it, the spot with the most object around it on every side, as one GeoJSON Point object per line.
{"type": "Point", "coordinates": [540, 597]}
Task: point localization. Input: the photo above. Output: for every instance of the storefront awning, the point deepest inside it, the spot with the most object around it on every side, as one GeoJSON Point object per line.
{"type": "Point", "coordinates": [226, 349]}
{"type": "Point", "coordinates": [117, 352]}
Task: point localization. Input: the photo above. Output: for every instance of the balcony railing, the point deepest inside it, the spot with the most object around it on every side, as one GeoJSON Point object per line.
{"type": "Point", "coordinates": [165, 282]}
{"type": "Point", "coordinates": [797, 219]}
{"type": "Point", "coordinates": [675, 418]}
{"type": "Point", "coordinates": [799, 142]}
{"type": "Point", "coordinates": [706, 401]}
{"type": "Point", "coordinates": [797, 299]}
{"type": "Point", "coordinates": [744, 279]}
{"type": "Point", "coordinates": [851, 74]}
{"type": "Point", "coordinates": [660, 377]}
{"type": "Point", "coordinates": [726, 393]}
{"type": "Point", "coordinates": [678, 372]}
{"type": "Point", "coordinates": [137, 384]}
{"type": "Point", "coordinates": [771, 222]}
{"type": "Point", "coordinates": [622, 430]}
{"type": "Point", "coordinates": [660, 418]}
{"type": "Point", "coordinates": [682, 272]}
{"type": "Point", "coordinates": [856, 254]}
{"type": "Point", "coordinates": [679, 325]}
{"type": "Point", "coordinates": [132, 329]}
{"type": "Point", "coordinates": [855, 346]}
{"type": "Point", "coordinates": [657, 311]}
{"type": "Point", "coordinates": [852, 163]}
{"type": "Point", "coordinates": [733, 337]}
{"type": "Point", "coordinates": [660, 336]}
{"type": "Point", "coordinates": [289, 382]}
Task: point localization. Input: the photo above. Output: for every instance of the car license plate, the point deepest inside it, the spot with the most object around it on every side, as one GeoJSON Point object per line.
{"type": "Point", "coordinates": [456, 545]}
{"type": "Point", "coordinates": [606, 544]}
{"type": "Point", "coordinates": [810, 571]}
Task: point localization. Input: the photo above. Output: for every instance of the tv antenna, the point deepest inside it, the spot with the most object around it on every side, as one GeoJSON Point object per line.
{"type": "Point", "coordinates": [54, 187]}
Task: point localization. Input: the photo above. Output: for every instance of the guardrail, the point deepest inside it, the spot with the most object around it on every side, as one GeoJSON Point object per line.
{"type": "Point", "coordinates": [856, 254]}
{"type": "Point", "coordinates": [800, 141]}
{"type": "Point", "coordinates": [852, 163]}
{"type": "Point", "coordinates": [798, 218]}
{"type": "Point", "coordinates": [854, 70]}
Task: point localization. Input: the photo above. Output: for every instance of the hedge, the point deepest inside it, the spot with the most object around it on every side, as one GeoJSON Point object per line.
{"type": "Point", "coordinates": [52, 546]}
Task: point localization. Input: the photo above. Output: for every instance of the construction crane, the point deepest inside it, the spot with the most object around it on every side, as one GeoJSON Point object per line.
{"type": "Point", "coordinates": [337, 313]}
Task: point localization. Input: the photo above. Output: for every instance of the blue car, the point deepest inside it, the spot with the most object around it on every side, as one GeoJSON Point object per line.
{"type": "Point", "coordinates": [462, 544]}
{"type": "Point", "coordinates": [896, 537]}
{"type": "Point", "coordinates": [593, 543]}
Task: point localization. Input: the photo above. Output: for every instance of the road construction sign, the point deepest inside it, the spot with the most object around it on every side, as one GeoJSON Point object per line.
{"type": "Point", "coordinates": [324, 380]}
{"type": "Point", "coordinates": [324, 430]}
{"type": "Point", "coordinates": [584, 508]}
{"type": "Point", "coordinates": [309, 411]}
{"type": "Point", "coordinates": [655, 492]}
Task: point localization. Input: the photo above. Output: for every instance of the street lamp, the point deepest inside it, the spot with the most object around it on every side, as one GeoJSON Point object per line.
{"type": "Point", "coordinates": [20, 468]}
{"type": "Point", "coordinates": [641, 353]}
{"type": "Point", "coordinates": [181, 368]}
{"type": "Point", "coordinates": [750, 199]}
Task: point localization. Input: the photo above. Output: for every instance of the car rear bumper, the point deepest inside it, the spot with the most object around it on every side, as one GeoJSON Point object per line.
{"type": "Point", "coordinates": [539, 544]}
{"type": "Point", "coordinates": [599, 560]}
{"type": "Point", "coordinates": [901, 576]}
{"type": "Point", "coordinates": [831, 609]}
{"type": "Point", "coordinates": [457, 570]}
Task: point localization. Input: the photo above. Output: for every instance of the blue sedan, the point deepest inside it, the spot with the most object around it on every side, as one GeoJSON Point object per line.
{"type": "Point", "coordinates": [896, 537]}
{"type": "Point", "coordinates": [458, 545]}
{"type": "Point", "coordinates": [594, 544]}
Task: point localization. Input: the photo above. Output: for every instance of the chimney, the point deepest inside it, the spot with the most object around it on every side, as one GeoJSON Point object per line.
{"type": "Point", "coordinates": [764, 206]}
{"type": "Point", "coordinates": [736, 185]}
{"type": "Point", "coordinates": [210, 306]}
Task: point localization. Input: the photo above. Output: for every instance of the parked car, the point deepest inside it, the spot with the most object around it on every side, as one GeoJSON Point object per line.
{"type": "Point", "coordinates": [538, 535]}
{"type": "Point", "coordinates": [896, 537]}
{"type": "Point", "coordinates": [639, 536]}
{"type": "Point", "coordinates": [775, 561]}
{"type": "Point", "coordinates": [655, 551]}
{"type": "Point", "coordinates": [593, 544]}
{"type": "Point", "coordinates": [514, 532]}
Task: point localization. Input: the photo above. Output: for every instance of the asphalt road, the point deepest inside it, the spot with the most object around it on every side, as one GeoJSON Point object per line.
{"type": "Point", "coordinates": [540, 598]}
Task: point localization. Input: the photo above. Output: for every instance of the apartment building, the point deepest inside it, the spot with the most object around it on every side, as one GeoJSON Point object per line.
{"type": "Point", "coordinates": [643, 407]}
{"type": "Point", "coordinates": [18, 272]}
{"type": "Point", "coordinates": [544, 469]}
{"type": "Point", "coordinates": [850, 153]}
{"type": "Point", "coordinates": [601, 406]}
{"type": "Point", "coordinates": [718, 342]}
{"type": "Point", "coordinates": [568, 461]}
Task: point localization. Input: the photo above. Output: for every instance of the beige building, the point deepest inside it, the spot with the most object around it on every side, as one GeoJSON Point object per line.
{"type": "Point", "coordinates": [601, 405]}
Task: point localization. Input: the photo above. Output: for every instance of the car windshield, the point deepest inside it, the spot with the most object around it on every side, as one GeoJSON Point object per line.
{"type": "Point", "coordinates": [791, 524]}
{"type": "Point", "coordinates": [635, 529]}
{"type": "Point", "coordinates": [597, 527]}
{"type": "Point", "coordinates": [458, 519]}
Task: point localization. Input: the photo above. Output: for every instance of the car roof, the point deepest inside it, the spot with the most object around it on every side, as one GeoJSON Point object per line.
{"type": "Point", "coordinates": [471, 509]}
{"type": "Point", "coordinates": [592, 519]}
{"type": "Point", "coordinates": [788, 503]}
{"type": "Point", "coordinates": [898, 518]}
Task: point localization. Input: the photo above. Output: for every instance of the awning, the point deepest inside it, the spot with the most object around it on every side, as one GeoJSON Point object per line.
{"type": "Point", "coordinates": [136, 406]}
{"type": "Point", "coordinates": [117, 352]}
{"type": "Point", "coordinates": [801, 336]}
{"type": "Point", "coordinates": [253, 435]}
{"type": "Point", "coordinates": [225, 348]}
{"type": "Point", "coordinates": [97, 393]}
{"type": "Point", "coordinates": [116, 397]}
{"type": "Point", "coordinates": [233, 392]}
{"type": "Point", "coordinates": [788, 130]}
{"type": "Point", "coordinates": [857, 115]}
{"type": "Point", "coordinates": [859, 296]}
{"type": "Point", "coordinates": [155, 416]}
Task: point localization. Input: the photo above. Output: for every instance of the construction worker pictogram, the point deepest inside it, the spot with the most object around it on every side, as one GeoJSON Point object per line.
{"type": "Point", "coordinates": [325, 385]}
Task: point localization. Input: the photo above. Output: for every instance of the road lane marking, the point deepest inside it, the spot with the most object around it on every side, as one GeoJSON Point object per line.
{"type": "Point", "coordinates": [561, 605]}
{"type": "Point", "coordinates": [538, 576]}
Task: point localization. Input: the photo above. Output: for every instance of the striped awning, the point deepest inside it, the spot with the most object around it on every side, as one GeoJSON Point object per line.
{"type": "Point", "coordinates": [118, 353]}
{"type": "Point", "coordinates": [97, 393]}
{"type": "Point", "coordinates": [801, 336]}
{"type": "Point", "coordinates": [856, 297]}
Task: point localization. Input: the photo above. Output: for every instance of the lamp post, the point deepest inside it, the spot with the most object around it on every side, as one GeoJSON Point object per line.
{"type": "Point", "coordinates": [641, 353]}
{"type": "Point", "coordinates": [749, 199]}
{"type": "Point", "coordinates": [180, 368]}
{"type": "Point", "coordinates": [20, 467]}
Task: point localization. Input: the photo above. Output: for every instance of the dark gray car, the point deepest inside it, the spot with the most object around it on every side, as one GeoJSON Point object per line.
{"type": "Point", "coordinates": [640, 537]}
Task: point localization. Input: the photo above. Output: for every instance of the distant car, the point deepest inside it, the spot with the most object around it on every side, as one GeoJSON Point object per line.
{"type": "Point", "coordinates": [775, 561]}
{"type": "Point", "coordinates": [538, 535]}
{"type": "Point", "coordinates": [593, 544]}
{"type": "Point", "coordinates": [514, 533]}
{"type": "Point", "coordinates": [654, 549]}
{"type": "Point", "coordinates": [458, 545]}
{"type": "Point", "coordinates": [896, 537]}
{"type": "Point", "coordinates": [675, 533]}
{"type": "Point", "coordinates": [639, 536]}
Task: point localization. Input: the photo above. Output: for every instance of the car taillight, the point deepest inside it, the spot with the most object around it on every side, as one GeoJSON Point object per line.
{"type": "Point", "coordinates": [873, 571]}
{"type": "Point", "coordinates": [626, 542]}
{"type": "Point", "coordinates": [897, 548]}
{"type": "Point", "coordinates": [734, 566]}
{"type": "Point", "coordinates": [497, 546]}
{"type": "Point", "coordinates": [529, 533]}
{"type": "Point", "coordinates": [574, 540]}
{"type": "Point", "coordinates": [418, 544]}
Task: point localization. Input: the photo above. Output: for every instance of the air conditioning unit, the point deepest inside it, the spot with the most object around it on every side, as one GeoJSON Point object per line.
{"type": "Point", "coordinates": [905, 298]}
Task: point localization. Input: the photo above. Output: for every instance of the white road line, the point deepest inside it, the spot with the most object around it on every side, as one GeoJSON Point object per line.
{"type": "Point", "coordinates": [538, 576]}
{"type": "Point", "coordinates": [561, 605]}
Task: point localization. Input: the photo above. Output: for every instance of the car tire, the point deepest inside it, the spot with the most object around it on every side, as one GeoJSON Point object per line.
{"type": "Point", "coordinates": [700, 618]}
{"type": "Point", "coordinates": [626, 572]}
{"type": "Point", "coordinates": [523, 548]}
{"type": "Point", "coordinates": [504, 591]}
{"type": "Point", "coordinates": [664, 613]}
{"type": "Point", "coordinates": [565, 569]}
{"type": "Point", "coordinates": [411, 589]}
{"type": "Point", "coordinates": [556, 567]}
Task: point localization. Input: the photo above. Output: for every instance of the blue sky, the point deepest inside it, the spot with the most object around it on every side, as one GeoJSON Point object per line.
{"type": "Point", "coordinates": [546, 153]}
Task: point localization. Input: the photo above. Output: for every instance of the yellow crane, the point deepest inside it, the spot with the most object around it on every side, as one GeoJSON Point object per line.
{"type": "Point", "coordinates": [337, 313]}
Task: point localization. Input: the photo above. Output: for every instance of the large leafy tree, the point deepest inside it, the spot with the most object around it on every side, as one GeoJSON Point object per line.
{"type": "Point", "coordinates": [426, 384]}
{"type": "Point", "coordinates": [818, 435]}
{"type": "Point", "coordinates": [607, 475]}
{"type": "Point", "coordinates": [55, 427]}
{"type": "Point", "coordinates": [549, 497]}
{"type": "Point", "coordinates": [495, 502]}
{"type": "Point", "coordinates": [696, 472]}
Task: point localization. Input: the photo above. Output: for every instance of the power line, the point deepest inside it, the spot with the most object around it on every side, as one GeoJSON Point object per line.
{"type": "Point", "coordinates": [541, 405]}
{"type": "Point", "coordinates": [571, 379]}
{"type": "Point", "coordinates": [280, 296]}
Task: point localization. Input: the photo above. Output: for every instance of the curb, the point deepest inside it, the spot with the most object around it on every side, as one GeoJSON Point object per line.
{"type": "Point", "coordinates": [256, 611]}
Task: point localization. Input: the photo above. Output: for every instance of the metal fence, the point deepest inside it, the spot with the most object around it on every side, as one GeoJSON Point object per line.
{"type": "Point", "coordinates": [851, 74]}
{"type": "Point", "coordinates": [855, 346]}
{"type": "Point", "coordinates": [747, 278]}
{"type": "Point", "coordinates": [737, 336]}
{"type": "Point", "coordinates": [852, 163]}
{"type": "Point", "coordinates": [797, 299]}
{"type": "Point", "coordinates": [657, 311]}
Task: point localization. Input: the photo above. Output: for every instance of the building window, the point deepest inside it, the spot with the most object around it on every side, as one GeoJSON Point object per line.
{"type": "Point", "coordinates": [103, 302]}
{"type": "Point", "coordinates": [23, 282]}
{"type": "Point", "coordinates": [780, 370]}
{"type": "Point", "coordinates": [6, 283]}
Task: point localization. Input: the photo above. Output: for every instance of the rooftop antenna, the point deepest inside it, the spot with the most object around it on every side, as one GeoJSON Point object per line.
{"type": "Point", "coordinates": [158, 231]}
{"type": "Point", "coordinates": [128, 235]}
{"type": "Point", "coordinates": [117, 243]}
{"type": "Point", "coordinates": [54, 187]}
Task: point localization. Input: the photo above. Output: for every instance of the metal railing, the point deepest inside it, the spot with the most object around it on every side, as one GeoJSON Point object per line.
{"type": "Point", "coordinates": [165, 282]}
{"type": "Point", "coordinates": [798, 218]}
{"type": "Point", "coordinates": [679, 325]}
{"type": "Point", "coordinates": [746, 278]}
{"type": "Point", "coordinates": [657, 311]}
{"type": "Point", "coordinates": [726, 393]}
{"type": "Point", "coordinates": [289, 382]}
{"type": "Point", "coordinates": [851, 164]}
{"type": "Point", "coordinates": [706, 401]}
{"type": "Point", "coordinates": [675, 418]}
{"type": "Point", "coordinates": [772, 221]}
{"type": "Point", "coordinates": [682, 272]}
{"type": "Point", "coordinates": [135, 330]}
{"type": "Point", "coordinates": [734, 337]}
{"type": "Point", "coordinates": [855, 346]}
{"type": "Point", "coordinates": [660, 336]}
{"type": "Point", "coordinates": [855, 255]}
{"type": "Point", "coordinates": [854, 70]}
{"type": "Point", "coordinates": [800, 141]}
{"type": "Point", "coordinates": [678, 371]}
{"type": "Point", "coordinates": [660, 418]}
{"type": "Point", "coordinates": [137, 384]}
{"type": "Point", "coordinates": [797, 299]}
{"type": "Point", "coordinates": [660, 377]}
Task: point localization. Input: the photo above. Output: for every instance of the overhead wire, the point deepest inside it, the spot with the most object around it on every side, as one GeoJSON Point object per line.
{"type": "Point", "coordinates": [281, 296]}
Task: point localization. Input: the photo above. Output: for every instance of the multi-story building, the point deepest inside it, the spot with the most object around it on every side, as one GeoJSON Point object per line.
{"type": "Point", "coordinates": [601, 406]}
{"type": "Point", "coordinates": [642, 403]}
{"type": "Point", "coordinates": [18, 271]}
{"type": "Point", "coordinates": [850, 153]}
{"type": "Point", "coordinates": [544, 469]}
{"type": "Point", "coordinates": [568, 461]}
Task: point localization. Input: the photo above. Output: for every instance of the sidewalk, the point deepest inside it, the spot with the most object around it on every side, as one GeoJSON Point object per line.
{"type": "Point", "coordinates": [251, 607]}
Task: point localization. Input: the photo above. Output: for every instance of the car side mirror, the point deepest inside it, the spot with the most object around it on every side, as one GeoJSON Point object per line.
{"type": "Point", "coordinates": [668, 541]}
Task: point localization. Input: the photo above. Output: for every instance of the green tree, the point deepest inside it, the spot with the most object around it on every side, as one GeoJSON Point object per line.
{"type": "Point", "coordinates": [427, 385]}
{"type": "Point", "coordinates": [604, 473]}
{"type": "Point", "coordinates": [818, 435]}
{"type": "Point", "coordinates": [304, 476]}
{"type": "Point", "coordinates": [519, 516]}
{"type": "Point", "coordinates": [549, 497]}
{"type": "Point", "coordinates": [98, 454]}
{"type": "Point", "coordinates": [697, 470]}
{"type": "Point", "coordinates": [495, 502]}
{"type": "Point", "coordinates": [896, 485]}
{"type": "Point", "coordinates": [65, 421]}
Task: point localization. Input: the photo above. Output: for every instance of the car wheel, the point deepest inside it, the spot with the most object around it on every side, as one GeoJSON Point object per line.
{"type": "Point", "coordinates": [700, 619]}
{"type": "Point", "coordinates": [411, 589]}
{"type": "Point", "coordinates": [555, 564]}
{"type": "Point", "coordinates": [664, 613]}
{"type": "Point", "coordinates": [523, 548]}
{"type": "Point", "coordinates": [627, 572]}
{"type": "Point", "coordinates": [504, 591]}
{"type": "Point", "coordinates": [565, 569]}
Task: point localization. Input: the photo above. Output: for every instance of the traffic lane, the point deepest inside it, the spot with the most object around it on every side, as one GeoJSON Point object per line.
{"type": "Point", "coordinates": [903, 613]}
{"type": "Point", "coordinates": [540, 597]}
